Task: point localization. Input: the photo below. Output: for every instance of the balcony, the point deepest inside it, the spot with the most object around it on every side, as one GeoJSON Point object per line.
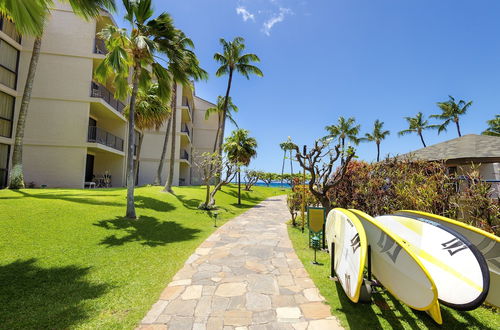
{"type": "Point", "coordinates": [99, 135]}
{"type": "Point", "coordinates": [184, 155]}
{"type": "Point", "coordinates": [98, 90]}
{"type": "Point", "coordinates": [100, 47]}
{"type": "Point", "coordinates": [186, 103]}
{"type": "Point", "coordinates": [9, 28]}
{"type": "Point", "coordinates": [185, 129]}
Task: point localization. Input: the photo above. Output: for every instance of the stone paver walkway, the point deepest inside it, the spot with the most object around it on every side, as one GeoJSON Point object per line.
{"type": "Point", "coordinates": [246, 275]}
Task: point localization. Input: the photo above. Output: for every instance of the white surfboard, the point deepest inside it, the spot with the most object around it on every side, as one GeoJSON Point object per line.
{"type": "Point", "coordinates": [349, 256]}
{"type": "Point", "coordinates": [398, 269]}
{"type": "Point", "coordinates": [487, 243]}
{"type": "Point", "coordinates": [456, 266]}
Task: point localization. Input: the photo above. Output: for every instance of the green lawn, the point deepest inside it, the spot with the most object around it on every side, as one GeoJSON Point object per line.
{"type": "Point", "coordinates": [385, 312]}
{"type": "Point", "coordinates": [68, 259]}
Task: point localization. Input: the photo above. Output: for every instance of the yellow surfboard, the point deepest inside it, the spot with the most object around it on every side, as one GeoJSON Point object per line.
{"type": "Point", "coordinates": [398, 269]}
{"type": "Point", "coordinates": [487, 243]}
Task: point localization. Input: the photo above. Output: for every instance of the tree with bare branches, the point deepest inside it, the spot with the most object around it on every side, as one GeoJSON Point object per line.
{"type": "Point", "coordinates": [319, 162]}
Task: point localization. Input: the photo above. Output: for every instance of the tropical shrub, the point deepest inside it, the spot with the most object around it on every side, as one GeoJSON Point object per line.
{"type": "Point", "coordinates": [294, 202]}
{"type": "Point", "coordinates": [395, 184]}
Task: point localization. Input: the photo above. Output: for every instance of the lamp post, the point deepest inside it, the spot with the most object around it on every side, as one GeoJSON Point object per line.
{"type": "Point", "coordinates": [303, 193]}
{"type": "Point", "coordinates": [315, 245]}
{"type": "Point", "coordinates": [216, 214]}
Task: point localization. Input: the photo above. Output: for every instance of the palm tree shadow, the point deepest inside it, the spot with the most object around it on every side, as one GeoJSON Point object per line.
{"type": "Point", "coordinates": [59, 195]}
{"type": "Point", "coordinates": [144, 202]}
{"type": "Point", "coordinates": [191, 203]}
{"type": "Point", "coordinates": [45, 298]}
{"type": "Point", "coordinates": [148, 231]}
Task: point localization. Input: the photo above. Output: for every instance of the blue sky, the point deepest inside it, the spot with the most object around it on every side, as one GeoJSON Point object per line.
{"type": "Point", "coordinates": [322, 59]}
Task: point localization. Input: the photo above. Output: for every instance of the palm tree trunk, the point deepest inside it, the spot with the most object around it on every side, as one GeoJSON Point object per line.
{"type": "Point", "coordinates": [458, 128]}
{"type": "Point", "coordinates": [157, 180]}
{"type": "Point", "coordinates": [218, 132]}
{"type": "Point", "coordinates": [16, 177]}
{"type": "Point", "coordinates": [170, 178]}
{"type": "Point", "coordinates": [342, 160]}
{"type": "Point", "coordinates": [378, 152]}
{"type": "Point", "coordinates": [239, 186]}
{"type": "Point", "coordinates": [131, 145]}
{"type": "Point", "coordinates": [223, 124]}
{"type": "Point", "coordinates": [138, 157]}
{"type": "Point", "coordinates": [283, 168]}
{"type": "Point", "coordinates": [422, 139]}
{"type": "Point", "coordinates": [291, 163]}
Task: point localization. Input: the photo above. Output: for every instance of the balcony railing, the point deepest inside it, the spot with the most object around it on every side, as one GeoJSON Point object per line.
{"type": "Point", "coordinates": [100, 47]}
{"type": "Point", "coordinates": [186, 103]}
{"type": "Point", "coordinates": [99, 135]}
{"type": "Point", "coordinates": [185, 129]}
{"type": "Point", "coordinates": [9, 28]}
{"type": "Point", "coordinates": [98, 90]}
{"type": "Point", "coordinates": [184, 155]}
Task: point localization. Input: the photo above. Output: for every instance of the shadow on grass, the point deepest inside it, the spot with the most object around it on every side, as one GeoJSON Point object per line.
{"type": "Point", "coordinates": [83, 199]}
{"type": "Point", "coordinates": [144, 202]}
{"type": "Point", "coordinates": [33, 297]}
{"type": "Point", "coordinates": [189, 203]}
{"type": "Point", "coordinates": [148, 231]}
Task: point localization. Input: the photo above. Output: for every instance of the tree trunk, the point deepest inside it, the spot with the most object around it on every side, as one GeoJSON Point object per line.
{"type": "Point", "coordinates": [223, 124]}
{"type": "Point", "coordinates": [131, 144]}
{"type": "Point", "coordinates": [458, 128]}
{"type": "Point", "coordinates": [218, 132]}
{"type": "Point", "coordinates": [239, 186]}
{"type": "Point", "coordinates": [283, 168]}
{"type": "Point", "coordinates": [207, 196]}
{"type": "Point", "coordinates": [16, 177]}
{"type": "Point", "coordinates": [291, 163]}
{"type": "Point", "coordinates": [378, 152]}
{"type": "Point", "coordinates": [157, 180]}
{"type": "Point", "coordinates": [170, 178]}
{"type": "Point", "coordinates": [342, 159]}
{"type": "Point", "coordinates": [422, 139]}
{"type": "Point", "coordinates": [214, 191]}
{"type": "Point", "coordinates": [138, 157]}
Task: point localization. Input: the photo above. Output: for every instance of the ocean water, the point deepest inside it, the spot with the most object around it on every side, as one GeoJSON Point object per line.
{"type": "Point", "coordinates": [273, 184]}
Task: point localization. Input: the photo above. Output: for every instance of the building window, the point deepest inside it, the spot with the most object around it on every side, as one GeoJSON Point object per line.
{"type": "Point", "coordinates": [9, 28]}
{"type": "Point", "coordinates": [9, 57]}
{"type": "Point", "coordinates": [6, 114]}
{"type": "Point", "coordinates": [4, 164]}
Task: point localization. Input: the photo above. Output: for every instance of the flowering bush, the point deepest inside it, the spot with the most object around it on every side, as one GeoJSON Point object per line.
{"type": "Point", "coordinates": [391, 185]}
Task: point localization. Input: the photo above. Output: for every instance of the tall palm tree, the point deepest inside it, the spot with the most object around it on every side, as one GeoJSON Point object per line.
{"type": "Point", "coordinates": [134, 53]}
{"type": "Point", "coordinates": [417, 125]}
{"type": "Point", "coordinates": [377, 135]}
{"type": "Point", "coordinates": [29, 17]}
{"type": "Point", "coordinates": [493, 127]}
{"type": "Point", "coordinates": [183, 65]}
{"type": "Point", "coordinates": [344, 130]}
{"type": "Point", "coordinates": [219, 110]}
{"type": "Point", "coordinates": [232, 60]}
{"type": "Point", "coordinates": [451, 112]}
{"type": "Point", "coordinates": [150, 113]}
{"type": "Point", "coordinates": [287, 146]}
{"type": "Point", "coordinates": [240, 149]}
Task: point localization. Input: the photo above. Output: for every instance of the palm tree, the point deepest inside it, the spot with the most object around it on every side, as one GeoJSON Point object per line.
{"type": "Point", "coordinates": [29, 17]}
{"type": "Point", "coordinates": [240, 149]}
{"type": "Point", "coordinates": [135, 53]}
{"type": "Point", "coordinates": [150, 113]}
{"type": "Point", "coordinates": [417, 125]}
{"type": "Point", "coordinates": [232, 59]}
{"type": "Point", "coordinates": [344, 130]}
{"type": "Point", "coordinates": [219, 110]}
{"type": "Point", "coordinates": [183, 65]}
{"type": "Point", "coordinates": [451, 111]}
{"type": "Point", "coordinates": [493, 127]}
{"type": "Point", "coordinates": [376, 136]}
{"type": "Point", "coordinates": [287, 146]}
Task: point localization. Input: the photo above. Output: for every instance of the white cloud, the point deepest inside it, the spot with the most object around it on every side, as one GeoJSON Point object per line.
{"type": "Point", "coordinates": [276, 18]}
{"type": "Point", "coordinates": [245, 14]}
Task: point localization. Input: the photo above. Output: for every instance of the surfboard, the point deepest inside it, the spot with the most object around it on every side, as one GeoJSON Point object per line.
{"type": "Point", "coordinates": [349, 256]}
{"type": "Point", "coordinates": [456, 265]}
{"type": "Point", "coordinates": [487, 243]}
{"type": "Point", "coordinates": [398, 269]}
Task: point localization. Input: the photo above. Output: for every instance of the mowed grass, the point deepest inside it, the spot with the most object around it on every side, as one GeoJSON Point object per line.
{"type": "Point", "coordinates": [69, 259]}
{"type": "Point", "coordinates": [385, 311]}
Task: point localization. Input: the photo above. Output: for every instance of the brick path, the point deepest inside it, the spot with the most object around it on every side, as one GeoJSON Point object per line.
{"type": "Point", "coordinates": [246, 275]}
